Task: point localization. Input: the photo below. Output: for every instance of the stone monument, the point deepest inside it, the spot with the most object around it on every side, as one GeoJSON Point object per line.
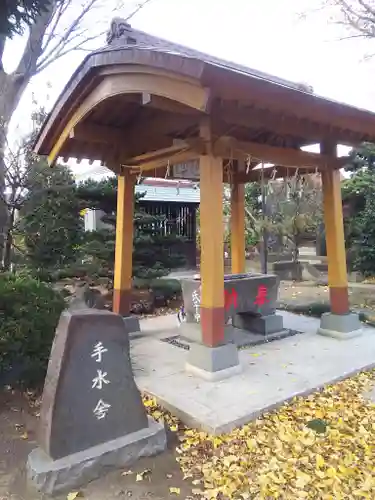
{"type": "Point", "coordinates": [92, 416]}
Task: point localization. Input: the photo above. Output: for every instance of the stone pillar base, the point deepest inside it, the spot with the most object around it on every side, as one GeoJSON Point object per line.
{"type": "Point", "coordinates": [131, 324]}
{"type": "Point", "coordinates": [342, 327]}
{"type": "Point", "coordinates": [74, 471]}
{"type": "Point", "coordinates": [213, 363]}
{"type": "Point", "coordinates": [191, 332]}
{"type": "Point", "coordinates": [264, 325]}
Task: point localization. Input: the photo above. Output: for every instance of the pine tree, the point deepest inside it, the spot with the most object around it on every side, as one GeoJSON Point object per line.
{"type": "Point", "coordinates": [44, 223]}
{"type": "Point", "coordinates": [50, 221]}
{"type": "Point", "coordinates": [155, 252]}
{"type": "Point", "coordinates": [359, 200]}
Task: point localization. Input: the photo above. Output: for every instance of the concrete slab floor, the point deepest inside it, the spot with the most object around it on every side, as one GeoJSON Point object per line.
{"type": "Point", "coordinates": [272, 373]}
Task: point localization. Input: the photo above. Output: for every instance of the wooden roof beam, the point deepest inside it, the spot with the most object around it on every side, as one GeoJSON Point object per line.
{"type": "Point", "coordinates": [164, 152]}
{"type": "Point", "coordinates": [228, 147]}
{"type": "Point", "coordinates": [276, 172]}
{"type": "Point", "coordinates": [179, 152]}
{"type": "Point", "coordinates": [251, 176]}
{"type": "Point", "coordinates": [167, 160]}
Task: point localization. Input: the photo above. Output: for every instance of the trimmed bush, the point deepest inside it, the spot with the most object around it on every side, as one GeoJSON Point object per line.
{"type": "Point", "coordinates": [164, 290]}
{"type": "Point", "coordinates": [169, 287]}
{"type": "Point", "coordinates": [29, 313]}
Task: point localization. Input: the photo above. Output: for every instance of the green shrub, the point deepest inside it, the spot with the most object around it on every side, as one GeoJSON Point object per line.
{"type": "Point", "coordinates": [29, 313]}
{"type": "Point", "coordinates": [163, 289]}
{"type": "Point", "coordinates": [168, 287]}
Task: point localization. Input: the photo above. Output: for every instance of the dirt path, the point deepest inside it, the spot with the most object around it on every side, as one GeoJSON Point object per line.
{"type": "Point", "coordinates": [17, 438]}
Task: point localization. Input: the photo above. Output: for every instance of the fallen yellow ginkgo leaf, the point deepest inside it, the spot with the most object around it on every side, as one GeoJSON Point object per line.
{"type": "Point", "coordinates": [174, 490]}
{"type": "Point", "coordinates": [309, 448]}
{"type": "Point", "coordinates": [73, 495]}
{"type": "Point", "coordinates": [127, 473]}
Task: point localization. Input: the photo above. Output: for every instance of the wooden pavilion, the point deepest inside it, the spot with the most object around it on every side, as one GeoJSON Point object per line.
{"type": "Point", "coordinates": [142, 104]}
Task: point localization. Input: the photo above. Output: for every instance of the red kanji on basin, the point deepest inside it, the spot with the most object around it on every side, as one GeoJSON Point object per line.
{"type": "Point", "coordinates": [261, 297]}
{"type": "Point", "coordinates": [230, 298]}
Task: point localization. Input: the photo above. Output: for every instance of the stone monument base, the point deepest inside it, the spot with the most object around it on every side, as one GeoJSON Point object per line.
{"type": "Point", "coordinates": [342, 327]}
{"type": "Point", "coordinates": [131, 324]}
{"type": "Point", "coordinates": [69, 473]}
{"type": "Point", "coordinates": [213, 363]}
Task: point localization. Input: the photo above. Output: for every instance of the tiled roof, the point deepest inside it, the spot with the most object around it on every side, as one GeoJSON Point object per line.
{"type": "Point", "coordinates": [176, 192]}
{"type": "Point", "coordinates": [121, 35]}
{"type": "Point", "coordinates": [169, 194]}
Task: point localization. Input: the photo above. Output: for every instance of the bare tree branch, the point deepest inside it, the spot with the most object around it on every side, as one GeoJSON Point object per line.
{"type": "Point", "coordinates": [33, 50]}
{"type": "Point", "coordinates": [137, 9]}
{"type": "Point", "coordinates": [366, 7]}
{"type": "Point", "coordinates": [60, 11]}
{"type": "Point", "coordinates": [73, 31]}
{"type": "Point", "coordinates": [67, 25]}
{"type": "Point", "coordinates": [75, 35]}
{"type": "Point", "coordinates": [357, 15]}
{"type": "Point", "coordinates": [64, 50]}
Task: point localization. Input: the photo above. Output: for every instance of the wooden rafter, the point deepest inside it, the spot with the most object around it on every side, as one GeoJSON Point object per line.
{"type": "Point", "coordinates": [158, 125]}
{"type": "Point", "coordinates": [163, 104]}
{"type": "Point", "coordinates": [91, 132]}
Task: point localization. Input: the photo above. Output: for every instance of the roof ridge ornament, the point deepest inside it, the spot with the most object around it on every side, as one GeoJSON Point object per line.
{"type": "Point", "coordinates": [305, 87]}
{"type": "Point", "coordinates": [118, 28]}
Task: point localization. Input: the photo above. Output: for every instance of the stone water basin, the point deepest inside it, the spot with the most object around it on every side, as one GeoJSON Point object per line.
{"type": "Point", "coordinates": [247, 293]}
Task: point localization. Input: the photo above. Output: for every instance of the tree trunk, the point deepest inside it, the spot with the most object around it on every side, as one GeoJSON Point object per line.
{"type": "Point", "coordinates": [3, 206]}
{"type": "Point", "coordinates": [295, 252]}
{"type": "Point", "coordinates": [11, 90]}
{"type": "Point", "coordinates": [8, 247]}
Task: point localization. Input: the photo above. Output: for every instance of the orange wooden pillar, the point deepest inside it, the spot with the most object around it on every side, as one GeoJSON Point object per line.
{"type": "Point", "coordinates": [124, 244]}
{"type": "Point", "coordinates": [334, 229]}
{"type": "Point", "coordinates": [210, 356]}
{"type": "Point", "coordinates": [340, 323]}
{"type": "Point", "coordinates": [212, 250]}
{"type": "Point", "coordinates": [237, 227]}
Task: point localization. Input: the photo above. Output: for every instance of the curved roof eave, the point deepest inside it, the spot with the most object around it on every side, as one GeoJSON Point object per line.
{"type": "Point", "coordinates": [210, 74]}
{"type": "Point", "coordinates": [158, 59]}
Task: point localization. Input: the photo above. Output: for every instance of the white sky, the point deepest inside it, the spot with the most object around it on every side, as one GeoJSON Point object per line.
{"type": "Point", "coordinates": [263, 34]}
